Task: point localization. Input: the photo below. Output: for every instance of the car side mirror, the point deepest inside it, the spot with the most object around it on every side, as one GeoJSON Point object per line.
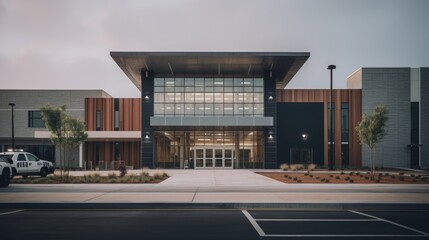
{"type": "Point", "coordinates": [37, 159]}
{"type": "Point", "coordinates": [10, 161]}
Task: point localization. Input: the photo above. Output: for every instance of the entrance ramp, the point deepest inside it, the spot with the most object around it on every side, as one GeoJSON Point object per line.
{"type": "Point", "coordinates": [219, 178]}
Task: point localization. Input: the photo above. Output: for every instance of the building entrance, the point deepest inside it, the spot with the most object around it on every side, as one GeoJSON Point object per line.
{"type": "Point", "coordinates": [212, 157]}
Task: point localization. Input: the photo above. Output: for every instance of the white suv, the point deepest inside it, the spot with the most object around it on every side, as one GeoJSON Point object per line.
{"type": "Point", "coordinates": [25, 164]}
{"type": "Point", "coordinates": [5, 171]}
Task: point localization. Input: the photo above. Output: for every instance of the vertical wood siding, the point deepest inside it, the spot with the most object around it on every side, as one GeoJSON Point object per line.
{"type": "Point", "coordinates": [353, 97]}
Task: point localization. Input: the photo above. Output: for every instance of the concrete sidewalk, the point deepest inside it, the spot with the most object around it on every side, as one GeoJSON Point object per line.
{"type": "Point", "coordinates": [216, 187]}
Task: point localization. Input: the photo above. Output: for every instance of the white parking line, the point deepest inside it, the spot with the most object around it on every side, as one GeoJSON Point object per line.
{"type": "Point", "coordinates": [316, 220]}
{"type": "Point", "coordinates": [393, 223]}
{"type": "Point", "coordinates": [261, 232]}
{"type": "Point", "coordinates": [254, 223]}
{"type": "Point", "coordinates": [16, 211]}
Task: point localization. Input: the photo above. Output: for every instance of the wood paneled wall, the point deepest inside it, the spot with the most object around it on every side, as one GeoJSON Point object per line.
{"type": "Point", "coordinates": [129, 113]}
{"type": "Point", "coordinates": [352, 96]}
{"type": "Point", "coordinates": [129, 152]}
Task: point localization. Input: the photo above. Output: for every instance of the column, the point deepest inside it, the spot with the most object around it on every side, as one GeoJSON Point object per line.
{"type": "Point", "coordinates": [147, 97]}
{"type": "Point", "coordinates": [270, 136]}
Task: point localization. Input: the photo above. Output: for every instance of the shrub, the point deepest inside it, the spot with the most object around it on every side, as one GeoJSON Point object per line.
{"type": "Point", "coordinates": [306, 174]}
{"type": "Point", "coordinates": [159, 175]}
{"type": "Point", "coordinates": [347, 178]}
{"type": "Point", "coordinates": [401, 178]}
{"type": "Point", "coordinates": [401, 173]}
{"type": "Point", "coordinates": [311, 175]}
{"type": "Point", "coordinates": [111, 175]}
{"type": "Point", "coordinates": [284, 166]}
{"type": "Point", "coordinates": [299, 180]}
{"type": "Point", "coordinates": [112, 180]}
{"type": "Point", "coordinates": [322, 179]}
{"type": "Point", "coordinates": [412, 175]}
{"type": "Point", "coordinates": [326, 180]}
{"type": "Point", "coordinates": [331, 176]}
{"type": "Point", "coordinates": [341, 172]}
{"type": "Point", "coordinates": [144, 174]}
{"type": "Point", "coordinates": [386, 174]}
{"type": "Point", "coordinates": [392, 176]}
{"type": "Point", "coordinates": [295, 178]}
{"type": "Point", "coordinates": [317, 177]}
{"type": "Point", "coordinates": [285, 175]}
{"type": "Point", "coordinates": [311, 167]}
{"type": "Point", "coordinates": [289, 177]}
{"type": "Point", "coordinates": [337, 177]}
{"type": "Point", "coordinates": [366, 178]}
{"type": "Point", "coordinates": [351, 181]}
{"type": "Point", "coordinates": [351, 173]}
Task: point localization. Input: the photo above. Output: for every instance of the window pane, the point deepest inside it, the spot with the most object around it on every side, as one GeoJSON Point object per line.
{"type": "Point", "coordinates": [208, 109]}
{"type": "Point", "coordinates": [159, 82]}
{"type": "Point", "coordinates": [180, 110]}
{"type": "Point", "coordinates": [258, 82]}
{"type": "Point", "coordinates": [158, 109]}
{"type": "Point", "coordinates": [189, 82]}
{"type": "Point", "coordinates": [218, 97]}
{"type": "Point", "coordinates": [169, 109]}
{"type": "Point", "coordinates": [228, 82]}
{"type": "Point", "coordinates": [218, 109]}
{"type": "Point", "coordinates": [199, 109]}
{"type": "Point", "coordinates": [228, 109]}
{"type": "Point", "coordinates": [189, 108]}
{"type": "Point", "coordinates": [159, 97]}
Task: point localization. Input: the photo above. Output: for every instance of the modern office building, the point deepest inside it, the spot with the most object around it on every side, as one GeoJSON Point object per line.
{"type": "Point", "coordinates": [231, 110]}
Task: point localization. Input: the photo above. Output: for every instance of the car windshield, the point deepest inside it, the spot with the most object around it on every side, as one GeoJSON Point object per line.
{"type": "Point", "coordinates": [3, 158]}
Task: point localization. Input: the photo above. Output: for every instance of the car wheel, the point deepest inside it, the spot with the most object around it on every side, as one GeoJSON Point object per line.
{"type": "Point", "coordinates": [43, 172]}
{"type": "Point", "coordinates": [13, 173]}
{"type": "Point", "coordinates": [5, 178]}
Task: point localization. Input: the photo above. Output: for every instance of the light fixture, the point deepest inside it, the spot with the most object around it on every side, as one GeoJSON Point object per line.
{"type": "Point", "coordinates": [271, 137]}
{"type": "Point", "coordinates": [146, 97]}
{"type": "Point", "coordinates": [146, 137]}
{"type": "Point", "coordinates": [270, 97]}
{"type": "Point", "coordinates": [304, 136]}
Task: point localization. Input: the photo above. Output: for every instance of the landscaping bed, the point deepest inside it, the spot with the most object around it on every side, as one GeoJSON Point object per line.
{"type": "Point", "coordinates": [143, 177]}
{"type": "Point", "coordinates": [347, 177]}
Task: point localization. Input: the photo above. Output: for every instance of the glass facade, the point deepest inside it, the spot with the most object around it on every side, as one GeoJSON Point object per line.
{"type": "Point", "coordinates": [200, 148]}
{"type": "Point", "coordinates": [202, 96]}
{"type": "Point", "coordinates": [35, 120]}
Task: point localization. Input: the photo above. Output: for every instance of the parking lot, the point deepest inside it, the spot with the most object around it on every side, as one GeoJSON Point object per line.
{"type": "Point", "coordinates": [212, 224]}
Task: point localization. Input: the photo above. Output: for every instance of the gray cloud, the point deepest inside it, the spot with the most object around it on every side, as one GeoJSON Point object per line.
{"type": "Point", "coordinates": [66, 44]}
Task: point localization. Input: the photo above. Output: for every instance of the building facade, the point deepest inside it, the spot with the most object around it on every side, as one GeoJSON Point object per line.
{"type": "Point", "coordinates": [228, 110]}
{"type": "Point", "coordinates": [405, 93]}
{"type": "Point", "coordinates": [30, 132]}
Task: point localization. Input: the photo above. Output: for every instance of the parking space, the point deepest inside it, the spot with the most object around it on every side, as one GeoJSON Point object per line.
{"type": "Point", "coordinates": [339, 224]}
{"type": "Point", "coordinates": [212, 224]}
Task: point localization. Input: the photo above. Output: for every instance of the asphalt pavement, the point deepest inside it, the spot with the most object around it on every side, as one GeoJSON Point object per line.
{"type": "Point", "coordinates": [212, 224]}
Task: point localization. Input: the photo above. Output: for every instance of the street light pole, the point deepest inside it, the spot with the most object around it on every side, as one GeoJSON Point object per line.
{"type": "Point", "coordinates": [13, 127]}
{"type": "Point", "coordinates": [331, 152]}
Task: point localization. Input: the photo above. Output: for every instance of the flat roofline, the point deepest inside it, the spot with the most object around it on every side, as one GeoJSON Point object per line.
{"type": "Point", "coordinates": [284, 65]}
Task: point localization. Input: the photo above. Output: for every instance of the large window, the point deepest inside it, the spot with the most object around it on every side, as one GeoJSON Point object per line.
{"type": "Point", "coordinates": [202, 96]}
{"type": "Point", "coordinates": [344, 122]}
{"type": "Point", "coordinates": [176, 149]}
{"type": "Point", "coordinates": [35, 119]}
{"type": "Point", "coordinates": [116, 120]}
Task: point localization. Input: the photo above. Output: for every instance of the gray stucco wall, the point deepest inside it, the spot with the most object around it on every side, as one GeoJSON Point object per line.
{"type": "Point", "coordinates": [391, 87]}
{"type": "Point", "coordinates": [33, 100]}
{"type": "Point", "coordinates": [424, 78]}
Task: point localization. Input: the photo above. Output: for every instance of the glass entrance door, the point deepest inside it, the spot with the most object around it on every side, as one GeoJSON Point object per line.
{"type": "Point", "coordinates": [213, 157]}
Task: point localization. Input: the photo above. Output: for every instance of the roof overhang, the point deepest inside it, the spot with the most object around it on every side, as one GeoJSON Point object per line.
{"type": "Point", "coordinates": [283, 65]}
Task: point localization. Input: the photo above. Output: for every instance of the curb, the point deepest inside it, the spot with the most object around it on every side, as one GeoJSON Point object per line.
{"type": "Point", "coordinates": [214, 206]}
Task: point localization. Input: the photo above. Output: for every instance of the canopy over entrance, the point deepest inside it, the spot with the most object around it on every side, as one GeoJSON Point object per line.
{"type": "Point", "coordinates": [283, 65]}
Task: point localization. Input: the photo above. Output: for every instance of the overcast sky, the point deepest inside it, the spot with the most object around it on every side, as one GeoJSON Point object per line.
{"type": "Point", "coordinates": [54, 44]}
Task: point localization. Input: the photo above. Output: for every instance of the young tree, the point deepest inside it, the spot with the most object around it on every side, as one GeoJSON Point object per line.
{"type": "Point", "coordinates": [65, 131]}
{"type": "Point", "coordinates": [371, 130]}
